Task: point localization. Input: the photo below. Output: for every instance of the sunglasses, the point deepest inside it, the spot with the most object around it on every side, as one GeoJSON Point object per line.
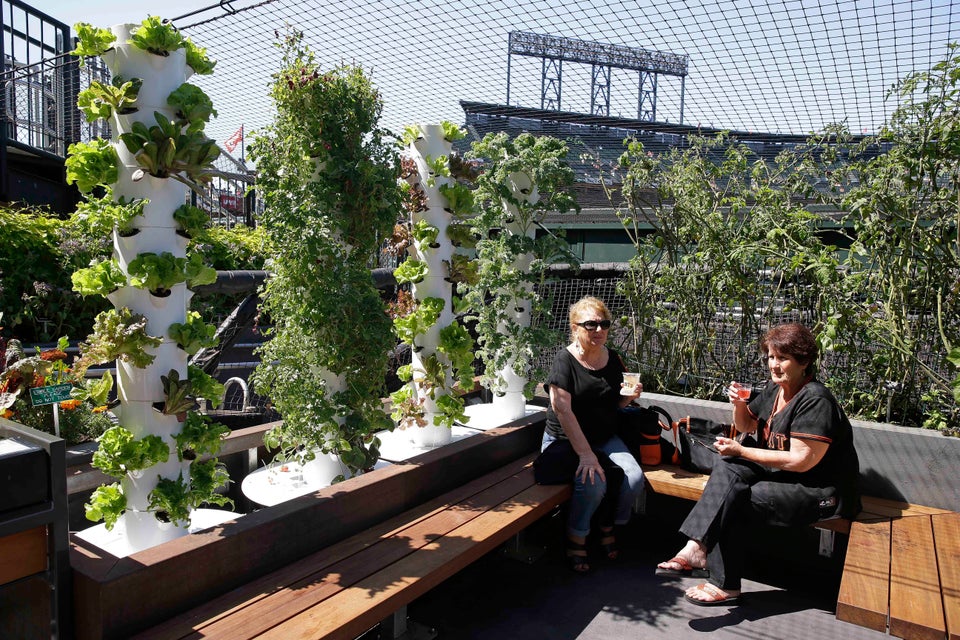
{"type": "Point", "coordinates": [593, 325]}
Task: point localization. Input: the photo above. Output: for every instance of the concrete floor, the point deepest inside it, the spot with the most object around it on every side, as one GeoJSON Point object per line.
{"type": "Point", "coordinates": [502, 598]}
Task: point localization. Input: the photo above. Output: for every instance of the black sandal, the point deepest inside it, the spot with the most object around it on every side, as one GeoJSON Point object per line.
{"type": "Point", "coordinates": [577, 556]}
{"type": "Point", "coordinates": [608, 543]}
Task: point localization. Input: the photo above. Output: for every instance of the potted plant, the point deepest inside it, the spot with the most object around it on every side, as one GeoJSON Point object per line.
{"type": "Point", "coordinates": [432, 269]}
{"type": "Point", "coordinates": [522, 179]}
{"type": "Point", "coordinates": [160, 151]}
{"type": "Point", "coordinates": [329, 180]}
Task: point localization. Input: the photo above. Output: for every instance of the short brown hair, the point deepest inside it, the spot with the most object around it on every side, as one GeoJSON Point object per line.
{"type": "Point", "coordinates": [795, 340]}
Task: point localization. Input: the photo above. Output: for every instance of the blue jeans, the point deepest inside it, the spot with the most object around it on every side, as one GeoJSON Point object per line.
{"type": "Point", "coordinates": [587, 496]}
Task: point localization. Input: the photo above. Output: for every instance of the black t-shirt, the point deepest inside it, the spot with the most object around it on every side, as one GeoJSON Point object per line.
{"type": "Point", "coordinates": [812, 414]}
{"type": "Point", "coordinates": [594, 395]}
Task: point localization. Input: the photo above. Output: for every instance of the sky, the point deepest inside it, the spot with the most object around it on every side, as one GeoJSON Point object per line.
{"type": "Point", "coordinates": [105, 13]}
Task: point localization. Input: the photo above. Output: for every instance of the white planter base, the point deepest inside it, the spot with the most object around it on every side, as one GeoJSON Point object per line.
{"type": "Point", "coordinates": [118, 544]}
{"type": "Point", "coordinates": [490, 416]}
{"type": "Point", "coordinates": [430, 436]}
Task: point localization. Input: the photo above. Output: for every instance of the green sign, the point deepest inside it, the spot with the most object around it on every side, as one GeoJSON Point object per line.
{"type": "Point", "coordinates": [50, 395]}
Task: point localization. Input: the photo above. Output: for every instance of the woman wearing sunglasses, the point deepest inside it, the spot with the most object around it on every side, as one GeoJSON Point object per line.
{"type": "Point", "coordinates": [580, 442]}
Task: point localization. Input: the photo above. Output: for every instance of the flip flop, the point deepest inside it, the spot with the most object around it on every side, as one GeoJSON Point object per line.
{"type": "Point", "coordinates": [686, 569]}
{"type": "Point", "coordinates": [717, 597]}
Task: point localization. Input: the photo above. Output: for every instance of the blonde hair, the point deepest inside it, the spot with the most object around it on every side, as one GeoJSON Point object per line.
{"type": "Point", "coordinates": [586, 303]}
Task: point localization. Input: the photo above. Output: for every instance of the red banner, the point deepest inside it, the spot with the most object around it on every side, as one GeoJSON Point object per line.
{"type": "Point", "coordinates": [231, 143]}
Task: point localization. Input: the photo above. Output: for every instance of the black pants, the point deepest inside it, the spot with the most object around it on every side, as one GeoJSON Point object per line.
{"type": "Point", "coordinates": [739, 496]}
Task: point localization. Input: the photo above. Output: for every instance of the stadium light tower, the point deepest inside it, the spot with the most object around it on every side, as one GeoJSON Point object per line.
{"type": "Point", "coordinates": [602, 57]}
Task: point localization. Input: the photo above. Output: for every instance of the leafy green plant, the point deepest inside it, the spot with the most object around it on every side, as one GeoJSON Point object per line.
{"type": "Point", "coordinates": [117, 333]}
{"type": "Point", "coordinates": [192, 220]}
{"type": "Point", "coordinates": [424, 233]}
{"type": "Point", "coordinates": [178, 399]}
{"type": "Point", "coordinates": [192, 106]}
{"type": "Point", "coordinates": [197, 58]}
{"type": "Point", "coordinates": [205, 386]}
{"type": "Point", "coordinates": [194, 334]}
{"type": "Point", "coordinates": [100, 101]}
{"type": "Point", "coordinates": [410, 271]}
{"type": "Point", "coordinates": [158, 273]}
{"type": "Point", "coordinates": [461, 235]}
{"type": "Point", "coordinates": [457, 345]}
{"type": "Point", "coordinates": [416, 323]}
{"type": "Point", "coordinates": [328, 174]}
{"type": "Point", "coordinates": [94, 390]}
{"type": "Point", "coordinates": [166, 150]}
{"type": "Point", "coordinates": [451, 410]}
{"type": "Point", "coordinates": [98, 216]}
{"type": "Point", "coordinates": [437, 167]}
{"type": "Point", "coordinates": [411, 133]}
{"type": "Point", "coordinates": [452, 132]}
{"type": "Point", "coordinates": [119, 453]}
{"type": "Point", "coordinates": [407, 408]}
{"type": "Point", "coordinates": [90, 164]}
{"type": "Point", "coordinates": [504, 283]}
{"type": "Point", "coordinates": [92, 41]}
{"type": "Point", "coordinates": [199, 436]}
{"type": "Point", "coordinates": [157, 36]}
{"type": "Point", "coordinates": [100, 279]}
{"type": "Point", "coordinates": [107, 503]}
{"type": "Point", "coordinates": [461, 268]}
{"type": "Point", "coordinates": [460, 202]}
{"type": "Point", "coordinates": [174, 499]}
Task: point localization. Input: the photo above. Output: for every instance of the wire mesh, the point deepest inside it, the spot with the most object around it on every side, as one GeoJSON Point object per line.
{"type": "Point", "coordinates": [754, 65]}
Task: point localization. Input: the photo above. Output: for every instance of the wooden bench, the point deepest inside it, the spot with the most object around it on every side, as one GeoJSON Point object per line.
{"type": "Point", "coordinates": [902, 566]}
{"type": "Point", "coordinates": [347, 588]}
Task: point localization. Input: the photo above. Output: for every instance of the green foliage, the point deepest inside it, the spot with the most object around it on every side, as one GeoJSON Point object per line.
{"type": "Point", "coordinates": [419, 321]}
{"type": "Point", "coordinates": [410, 271]}
{"type": "Point", "coordinates": [452, 131]}
{"type": "Point", "coordinates": [205, 386]}
{"type": "Point", "coordinates": [192, 220]}
{"type": "Point", "coordinates": [117, 333]}
{"type": "Point", "coordinates": [167, 149]}
{"type": "Point", "coordinates": [328, 177]}
{"type": "Point", "coordinates": [91, 164]}
{"type": "Point", "coordinates": [174, 499]}
{"type": "Point", "coordinates": [199, 436]}
{"type": "Point", "coordinates": [177, 395]}
{"type": "Point", "coordinates": [100, 279]}
{"type": "Point", "coordinates": [157, 36]}
{"type": "Point", "coordinates": [411, 133]}
{"type": "Point", "coordinates": [193, 334]}
{"type": "Point", "coordinates": [107, 503]}
{"type": "Point", "coordinates": [197, 58]}
{"type": "Point", "coordinates": [451, 410]}
{"type": "Point", "coordinates": [98, 216]}
{"type": "Point", "coordinates": [457, 345]}
{"type": "Point", "coordinates": [193, 106]}
{"type": "Point", "coordinates": [158, 273]}
{"type": "Point", "coordinates": [512, 315]}
{"type": "Point", "coordinates": [424, 232]}
{"type": "Point", "coordinates": [120, 453]}
{"type": "Point", "coordinates": [100, 101]}
{"type": "Point", "coordinates": [92, 41]}
{"type": "Point", "coordinates": [239, 247]}
{"type": "Point", "coordinates": [460, 202]}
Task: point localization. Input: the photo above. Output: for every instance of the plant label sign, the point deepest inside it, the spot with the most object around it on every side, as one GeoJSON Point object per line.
{"type": "Point", "coordinates": [52, 394]}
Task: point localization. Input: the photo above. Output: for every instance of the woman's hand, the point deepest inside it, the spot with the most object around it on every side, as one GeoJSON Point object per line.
{"type": "Point", "coordinates": [631, 391]}
{"type": "Point", "coordinates": [728, 446]}
{"type": "Point", "coordinates": [589, 468]}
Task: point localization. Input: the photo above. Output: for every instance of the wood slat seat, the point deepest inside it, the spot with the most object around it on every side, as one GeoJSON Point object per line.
{"type": "Point", "coordinates": [347, 588]}
{"type": "Point", "coordinates": [902, 568]}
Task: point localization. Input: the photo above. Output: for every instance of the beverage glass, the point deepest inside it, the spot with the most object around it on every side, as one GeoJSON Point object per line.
{"type": "Point", "coordinates": [630, 380]}
{"type": "Point", "coordinates": [743, 391]}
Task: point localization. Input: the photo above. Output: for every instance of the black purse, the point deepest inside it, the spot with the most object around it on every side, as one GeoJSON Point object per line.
{"type": "Point", "coordinates": [641, 429]}
{"type": "Point", "coordinates": [697, 437]}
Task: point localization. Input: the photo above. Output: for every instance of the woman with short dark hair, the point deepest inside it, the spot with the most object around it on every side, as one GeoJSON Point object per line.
{"type": "Point", "coordinates": [802, 468]}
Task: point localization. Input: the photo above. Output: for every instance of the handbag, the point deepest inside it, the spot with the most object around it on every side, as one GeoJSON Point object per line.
{"type": "Point", "coordinates": [697, 436]}
{"type": "Point", "coordinates": [641, 429]}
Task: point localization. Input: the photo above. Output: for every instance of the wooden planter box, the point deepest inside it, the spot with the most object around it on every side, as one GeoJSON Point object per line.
{"type": "Point", "coordinates": [116, 597]}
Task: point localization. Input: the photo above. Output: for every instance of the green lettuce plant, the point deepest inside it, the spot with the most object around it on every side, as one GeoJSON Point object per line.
{"type": "Point", "coordinates": [157, 36]}
{"type": "Point", "coordinates": [457, 345]}
{"type": "Point", "coordinates": [174, 499]}
{"type": "Point", "coordinates": [406, 409]}
{"type": "Point", "coordinates": [197, 58]}
{"type": "Point", "coordinates": [192, 106]}
{"type": "Point", "coordinates": [199, 436]}
{"type": "Point", "coordinates": [205, 386]}
{"type": "Point", "coordinates": [166, 149]}
{"type": "Point", "coordinates": [411, 271]}
{"type": "Point", "coordinates": [100, 101]}
{"type": "Point", "coordinates": [158, 273]}
{"type": "Point", "coordinates": [90, 164]}
{"type": "Point", "coordinates": [117, 333]}
{"type": "Point", "coordinates": [100, 279]}
{"type": "Point", "coordinates": [107, 503]}
{"type": "Point", "coordinates": [177, 396]}
{"type": "Point", "coordinates": [192, 220]}
{"type": "Point", "coordinates": [193, 334]}
{"type": "Point", "coordinates": [97, 217]}
{"type": "Point", "coordinates": [452, 132]}
{"type": "Point", "coordinates": [119, 453]}
{"type": "Point", "coordinates": [451, 410]}
{"type": "Point", "coordinates": [92, 41]}
{"type": "Point", "coordinates": [417, 322]}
